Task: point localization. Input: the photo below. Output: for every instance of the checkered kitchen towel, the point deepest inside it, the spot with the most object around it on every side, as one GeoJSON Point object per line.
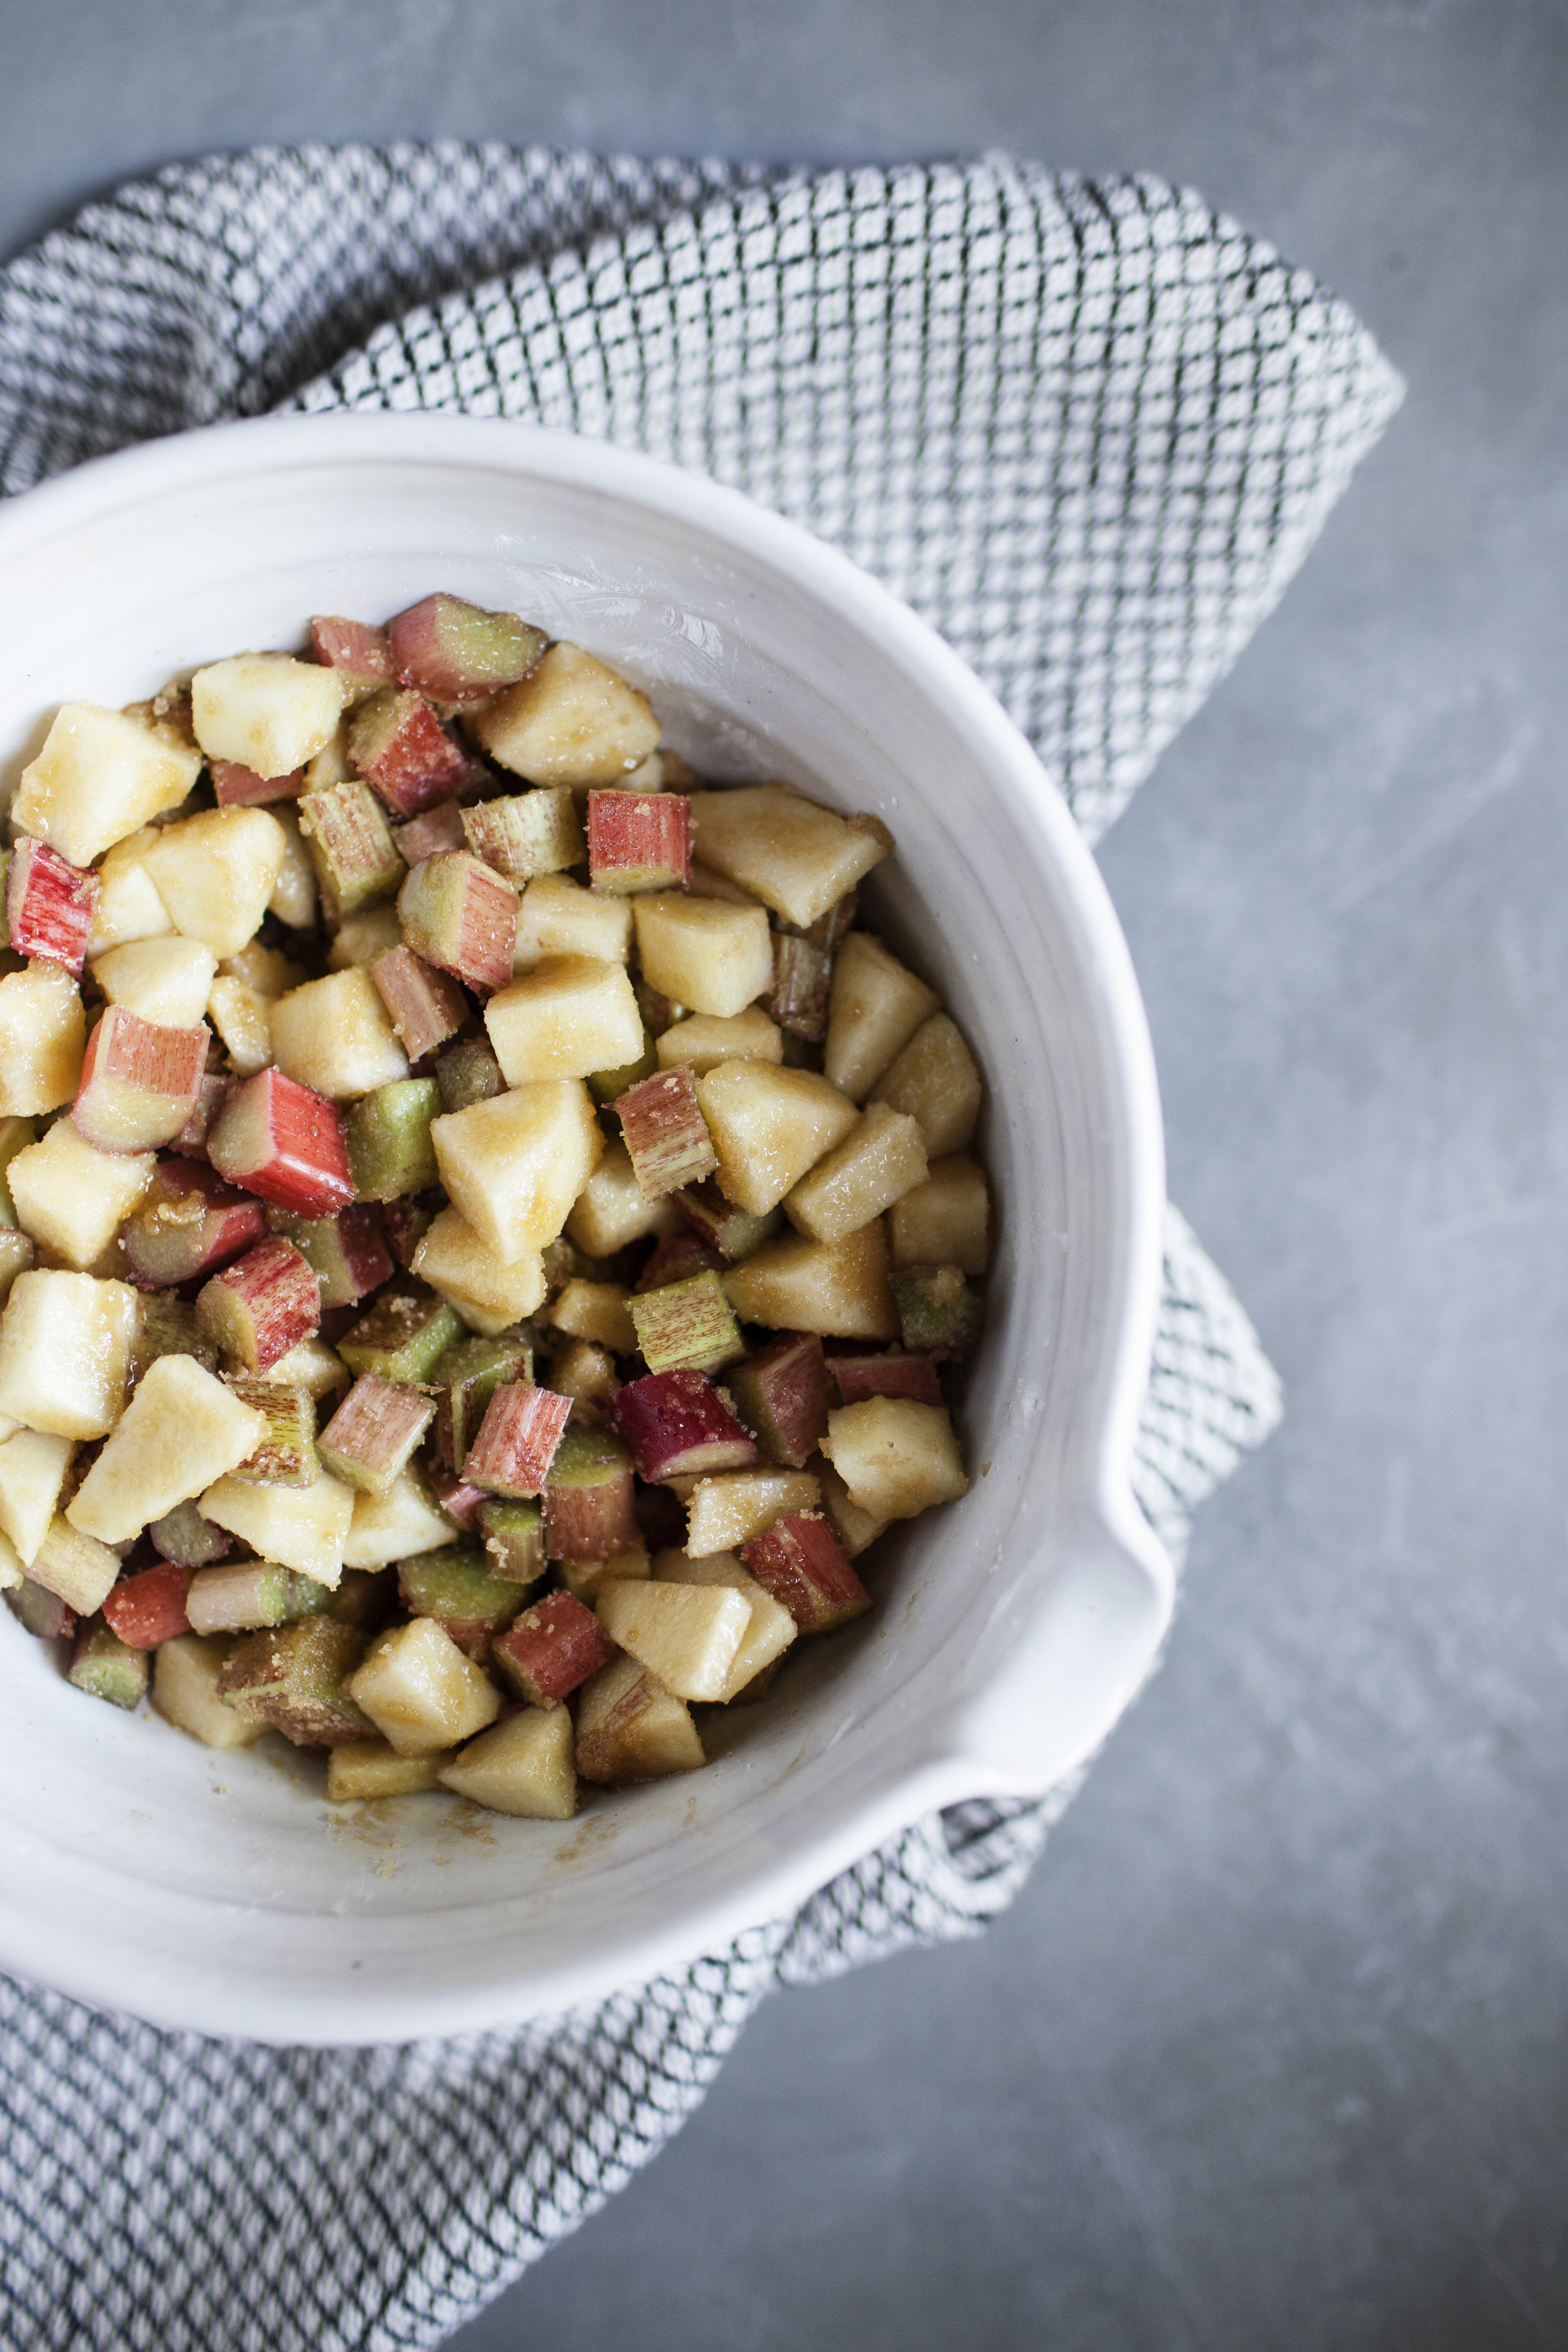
{"type": "Point", "coordinates": [1089, 428]}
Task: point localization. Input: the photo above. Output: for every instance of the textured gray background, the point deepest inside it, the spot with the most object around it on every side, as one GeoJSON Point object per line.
{"type": "Point", "coordinates": [1271, 2052]}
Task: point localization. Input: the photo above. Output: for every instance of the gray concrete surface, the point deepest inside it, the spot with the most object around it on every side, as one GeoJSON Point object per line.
{"type": "Point", "coordinates": [1272, 2052]}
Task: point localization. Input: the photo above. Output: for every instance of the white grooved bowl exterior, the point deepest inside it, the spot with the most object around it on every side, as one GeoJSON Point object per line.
{"type": "Point", "coordinates": [217, 1890]}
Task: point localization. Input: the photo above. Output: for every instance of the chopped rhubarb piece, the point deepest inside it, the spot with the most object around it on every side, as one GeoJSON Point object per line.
{"type": "Point", "coordinates": [514, 1540]}
{"type": "Point", "coordinates": [388, 1135]}
{"type": "Point", "coordinates": [857, 1377]}
{"type": "Point", "coordinates": [186, 1541]}
{"type": "Point", "coordinates": [468, 1073]}
{"type": "Point", "coordinates": [783, 1393]}
{"type": "Point", "coordinates": [238, 787]}
{"type": "Point", "coordinates": [734, 1232]}
{"type": "Point", "coordinates": [41, 1611]}
{"type": "Point", "coordinates": [666, 1134]}
{"type": "Point", "coordinates": [403, 1338]}
{"type": "Point", "coordinates": [189, 1223]}
{"type": "Point", "coordinates": [638, 841]}
{"type": "Point", "coordinates": [802, 973]}
{"type": "Point", "coordinates": [517, 1440]}
{"type": "Point", "coordinates": [405, 1225]}
{"type": "Point", "coordinates": [287, 1454]}
{"type": "Point", "coordinates": [294, 1679]}
{"type": "Point", "coordinates": [461, 1502]}
{"type": "Point", "coordinates": [678, 1425]}
{"type": "Point", "coordinates": [424, 1006]}
{"type": "Point", "coordinates": [799, 1562]}
{"type": "Point", "coordinates": [458, 652]}
{"type": "Point", "coordinates": [431, 830]}
{"type": "Point", "coordinates": [589, 1498]}
{"type": "Point", "coordinates": [49, 904]}
{"type": "Point", "coordinates": [347, 1251]}
{"type": "Point", "coordinates": [251, 1592]}
{"type": "Point", "coordinates": [608, 1086]}
{"type": "Point", "coordinates": [262, 1306]}
{"type": "Point", "coordinates": [524, 835]}
{"type": "Point", "coordinates": [107, 1668]}
{"type": "Point", "coordinates": [830, 930]}
{"type": "Point", "coordinates": [190, 1142]}
{"type": "Point", "coordinates": [140, 1082]}
{"type": "Point", "coordinates": [403, 752]}
{"type": "Point", "coordinates": [150, 1607]}
{"type": "Point", "coordinates": [676, 1257]}
{"type": "Point", "coordinates": [374, 1432]}
{"type": "Point", "coordinates": [363, 654]}
{"type": "Point", "coordinates": [465, 1378]}
{"type": "Point", "coordinates": [284, 1143]}
{"type": "Point", "coordinates": [462, 918]}
{"type": "Point", "coordinates": [551, 1649]}
{"type": "Point", "coordinates": [456, 1588]}
{"type": "Point", "coordinates": [350, 846]}
{"type": "Point", "coordinates": [166, 1326]}
{"type": "Point", "coordinates": [688, 1326]}
{"type": "Point", "coordinates": [940, 1311]}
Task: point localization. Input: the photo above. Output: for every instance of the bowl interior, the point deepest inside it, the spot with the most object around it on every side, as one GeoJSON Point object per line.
{"type": "Point", "coordinates": [219, 1889]}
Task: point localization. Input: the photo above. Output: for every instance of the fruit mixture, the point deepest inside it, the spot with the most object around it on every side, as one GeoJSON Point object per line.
{"type": "Point", "coordinates": [485, 1234]}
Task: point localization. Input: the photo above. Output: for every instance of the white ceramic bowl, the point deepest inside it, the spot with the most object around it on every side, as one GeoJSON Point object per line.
{"type": "Point", "coordinates": [140, 1871]}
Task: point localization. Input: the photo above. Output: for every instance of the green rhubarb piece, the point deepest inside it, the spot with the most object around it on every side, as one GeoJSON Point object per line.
{"type": "Point", "coordinates": [940, 1310]}
{"type": "Point", "coordinates": [465, 1378]}
{"type": "Point", "coordinates": [734, 1232]}
{"type": "Point", "coordinates": [526, 834]}
{"type": "Point", "coordinates": [802, 972]}
{"type": "Point", "coordinates": [608, 1086]}
{"type": "Point", "coordinates": [166, 1326]}
{"type": "Point", "coordinates": [390, 1151]}
{"type": "Point", "coordinates": [287, 1454]}
{"type": "Point", "coordinates": [468, 1073]}
{"type": "Point", "coordinates": [106, 1667]}
{"type": "Point", "coordinates": [351, 846]}
{"type": "Point", "coordinates": [292, 1678]}
{"type": "Point", "coordinates": [457, 1586]}
{"type": "Point", "coordinates": [403, 1337]}
{"type": "Point", "coordinates": [514, 1540]}
{"type": "Point", "coordinates": [15, 1135]}
{"type": "Point", "coordinates": [328, 1249]}
{"type": "Point", "coordinates": [183, 1537]}
{"type": "Point", "coordinates": [41, 1611]}
{"type": "Point", "coordinates": [687, 1325]}
{"type": "Point", "coordinates": [16, 1255]}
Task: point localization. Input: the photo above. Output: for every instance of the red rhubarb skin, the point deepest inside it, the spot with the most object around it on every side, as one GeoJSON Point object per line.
{"type": "Point", "coordinates": [666, 1133]}
{"type": "Point", "coordinates": [477, 942]}
{"type": "Point", "coordinates": [800, 1562]}
{"type": "Point", "coordinates": [418, 765]}
{"type": "Point", "coordinates": [858, 1377]}
{"type": "Point", "coordinates": [591, 1522]}
{"type": "Point", "coordinates": [165, 1065]}
{"type": "Point", "coordinates": [433, 830]}
{"type": "Point", "coordinates": [794, 1376]}
{"type": "Point", "coordinates": [676, 1258]}
{"type": "Point", "coordinates": [517, 1440]}
{"type": "Point", "coordinates": [150, 1607]}
{"type": "Point", "coordinates": [304, 1162]}
{"type": "Point", "coordinates": [163, 1251]}
{"type": "Point", "coordinates": [461, 1502]}
{"type": "Point", "coordinates": [676, 1423]}
{"type": "Point", "coordinates": [49, 904]}
{"type": "Point", "coordinates": [427, 650]}
{"type": "Point", "coordinates": [360, 652]}
{"type": "Point", "coordinates": [645, 834]}
{"type": "Point", "coordinates": [190, 1142]}
{"type": "Point", "coordinates": [238, 787]}
{"type": "Point", "coordinates": [365, 1253]}
{"type": "Point", "coordinates": [424, 1006]}
{"type": "Point", "coordinates": [553, 1647]}
{"type": "Point", "coordinates": [378, 1423]}
{"type": "Point", "coordinates": [280, 1292]}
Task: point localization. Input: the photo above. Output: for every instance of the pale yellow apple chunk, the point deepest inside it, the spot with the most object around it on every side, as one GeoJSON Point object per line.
{"type": "Point", "coordinates": [702, 1042]}
{"type": "Point", "coordinates": [127, 907]}
{"type": "Point", "coordinates": [726, 1511]}
{"type": "Point", "coordinates": [11, 1570]}
{"type": "Point", "coordinates": [687, 1634]}
{"type": "Point", "coordinates": [629, 1727]}
{"type": "Point", "coordinates": [72, 1197]}
{"type": "Point", "coordinates": [75, 1566]}
{"type": "Point", "coordinates": [797, 857]}
{"type": "Point", "coordinates": [558, 916]}
{"type": "Point", "coordinates": [99, 776]}
{"type": "Point", "coordinates": [184, 1692]}
{"type": "Point", "coordinates": [524, 1767]}
{"type": "Point", "coordinates": [420, 1691]}
{"type": "Point", "coordinates": [837, 1288]}
{"type": "Point", "coordinates": [180, 1431]}
{"type": "Point", "coordinates": [266, 970]}
{"type": "Point", "coordinates": [715, 957]}
{"type": "Point", "coordinates": [586, 1578]}
{"type": "Point", "coordinates": [587, 1374]}
{"type": "Point", "coordinates": [769, 1127]}
{"type": "Point", "coordinates": [874, 1166]}
{"type": "Point", "coordinates": [874, 1007]}
{"type": "Point", "coordinates": [770, 1631]}
{"type": "Point", "coordinates": [895, 1456]}
{"type": "Point", "coordinates": [596, 1310]}
{"type": "Point", "coordinates": [65, 1352]}
{"type": "Point", "coordinates": [216, 872]}
{"type": "Point", "coordinates": [165, 980]}
{"type": "Point", "coordinates": [293, 899]}
{"type": "Point", "coordinates": [365, 938]}
{"type": "Point", "coordinates": [373, 1767]}
{"type": "Point", "coordinates": [934, 1080]}
{"type": "Point", "coordinates": [267, 712]}
{"type": "Point", "coordinates": [611, 1210]}
{"type": "Point", "coordinates": [857, 1529]}
{"type": "Point", "coordinates": [489, 1295]}
{"type": "Point", "coordinates": [512, 1167]}
{"type": "Point", "coordinates": [571, 721]}
{"type": "Point", "coordinates": [243, 1019]}
{"type": "Point", "coordinates": [335, 1036]}
{"type": "Point", "coordinates": [395, 1525]}
{"type": "Point", "coordinates": [569, 1016]}
{"type": "Point", "coordinates": [946, 1220]}
{"type": "Point", "coordinates": [302, 1527]}
{"type": "Point", "coordinates": [43, 1034]}
{"type": "Point", "coordinates": [312, 1365]}
{"type": "Point", "coordinates": [32, 1472]}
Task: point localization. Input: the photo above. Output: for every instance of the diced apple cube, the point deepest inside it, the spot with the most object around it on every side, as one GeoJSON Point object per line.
{"type": "Point", "coordinates": [75, 1566]}
{"type": "Point", "coordinates": [32, 1472]}
{"type": "Point", "coordinates": [630, 1728]}
{"type": "Point", "coordinates": [723, 1513]}
{"type": "Point", "coordinates": [371, 1769]}
{"type": "Point", "coordinates": [263, 1305]}
{"type": "Point", "coordinates": [182, 1430]}
{"type": "Point", "coordinates": [877, 1163]}
{"type": "Point", "coordinates": [99, 777]}
{"type": "Point", "coordinates": [461, 917]}
{"type": "Point", "coordinates": [312, 1365]}
{"type": "Point", "coordinates": [365, 938]}
{"type": "Point", "coordinates": [166, 979]}
{"type": "Point", "coordinates": [837, 1288]}
{"type": "Point", "coordinates": [140, 1082]}
{"type": "Point", "coordinates": [526, 834]}
{"type": "Point", "coordinates": [700, 952]}
{"type": "Point", "coordinates": [420, 1692]}
{"type": "Point", "coordinates": [945, 1220]}
{"type": "Point", "coordinates": [267, 712]}
{"type": "Point", "coordinates": [243, 1019]}
{"type": "Point", "coordinates": [584, 1580]}
{"type": "Point", "coordinates": [799, 1562]}
{"type": "Point", "coordinates": [571, 721]}
{"type": "Point", "coordinates": [458, 652]}
{"type": "Point", "coordinates": [770, 1628]}
{"type": "Point", "coordinates": [43, 1032]}
{"type": "Point", "coordinates": [334, 1036]}
{"type": "Point", "coordinates": [797, 857]}
{"type": "Point", "coordinates": [65, 1352]}
{"type": "Point", "coordinates": [513, 1166]}
{"type": "Point", "coordinates": [216, 872]}
{"type": "Point", "coordinates": [489, 1295]}
{"type": "Point", "coordinates": [934, 1080]}
{"type": "Point", "coordinates": [393, 1526]}
{"type": "Point", "coordinates": [302, 1527]}
{"type": "Point", "coordinates": [426, 1006]}
{"type": "Point", "coordinates": [687, 1634]}
{"type": "Point", "coordinates": [524, 1767]}
{"type": "Point", "coordinates": [128, 906]}
{"type": "Point", "coordinates": [611, 1210]}
{"type": "Point", "coordinates": [186, 1674]}
{"type": "Point", "coordinates": [352, 849]}
{"type": "Point", "coordinates": [293, 899]}
{"type": "Point", "coordinates": [49, 904]}
{"type": "Point", "coordinates": [700, 1043]}
{"type": "Point", "coordinates": [769, 1127]}
{"type": "Point", "coordinates": [896, 1457]}
{"type": "Point", "coordinates": [596, 1310]}
{"type": "Point", "coordinates": [71, 1197]}
{"type": "Point", "coordinates": [558, 916]}
{"type": "Point", "coordinates": [282, 1142]}
{"type": "Point", "coordinates": [875, 1007]}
